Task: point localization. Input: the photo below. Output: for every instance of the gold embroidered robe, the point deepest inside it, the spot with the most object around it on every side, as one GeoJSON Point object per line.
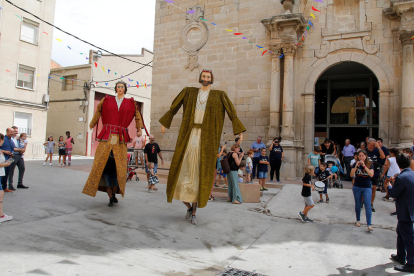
{"type": "Point", "coordinates": [217, 104]}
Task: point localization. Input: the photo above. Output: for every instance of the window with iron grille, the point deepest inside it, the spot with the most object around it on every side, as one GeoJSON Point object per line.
{"type": "Point", "coordinates": [25, 77]}
{"type": "Point", "coordinates": [30, 31]}
{"type": "Point", "coordinates": [69, 83]}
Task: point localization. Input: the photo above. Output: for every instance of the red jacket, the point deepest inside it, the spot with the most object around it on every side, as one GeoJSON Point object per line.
{"type": "Point", "coordinates": [116, 122]}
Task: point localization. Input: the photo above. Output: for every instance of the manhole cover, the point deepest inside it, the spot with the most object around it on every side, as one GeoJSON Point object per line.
{"type": "Point", "coordinates": [237, 272]}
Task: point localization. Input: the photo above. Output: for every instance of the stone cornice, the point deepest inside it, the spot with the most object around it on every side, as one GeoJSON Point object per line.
{"type": "Point", "coordinates": [397, 7]}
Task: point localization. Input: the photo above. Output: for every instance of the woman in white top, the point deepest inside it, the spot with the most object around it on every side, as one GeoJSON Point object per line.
{"type": "Point", "coordinates": [391, 168]}
{"type": "Point", "coordinates": [3, 163]}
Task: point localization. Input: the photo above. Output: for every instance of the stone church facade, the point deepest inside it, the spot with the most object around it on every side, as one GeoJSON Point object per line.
{"type": "Point", "coordinates": [351, 76]}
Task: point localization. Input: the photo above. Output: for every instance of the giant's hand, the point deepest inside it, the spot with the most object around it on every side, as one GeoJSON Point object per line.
{"type": "Point", "coordinates": [241, 136]}
{"type": "Point", "coordinates": [162, 129]}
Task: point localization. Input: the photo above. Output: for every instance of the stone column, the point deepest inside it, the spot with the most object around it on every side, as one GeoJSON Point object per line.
{"type": "Point", "coordinates": [288, 93]}
{"type": "Point", "coordinates": [407, 95]}
{"type": "Point", "coordinates": [384, 116]}
{"type": "Point", "coordinates": [274, 120]}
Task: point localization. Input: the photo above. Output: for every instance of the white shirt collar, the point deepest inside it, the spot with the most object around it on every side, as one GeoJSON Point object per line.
{"type": "Point", "coordinates": [119, 101]}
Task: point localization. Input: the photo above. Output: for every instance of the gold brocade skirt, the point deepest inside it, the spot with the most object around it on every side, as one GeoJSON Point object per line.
{"type": "Point", "coordinates": [188, 183]}
{"type": "Point", "coordinates": [95, 180]}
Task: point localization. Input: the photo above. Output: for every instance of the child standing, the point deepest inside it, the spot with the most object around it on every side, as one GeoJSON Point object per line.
{"type": "Point", "coordinates": [240, 171]}
{"type": "Point", "coordinates": [62, 150]}
{"type": "Point", "coordinates": [323, 175]}
{"type": "Point", "coordinates": [153, 179]}
{"type": "Point", "coordinates": [262, 170]}
{"type": "Point", "coordinates": [306, 193]}
{"type": "Point", "coordinates": [314, 159]}
{"type": "Point", "coordinates": [69, 147]}
{"type": "Point", "coordinates": [50, 144]}
{"type": "Point", "coordinates": [249, 166]}
{"type": "Point", "coordinates": [220, 170]}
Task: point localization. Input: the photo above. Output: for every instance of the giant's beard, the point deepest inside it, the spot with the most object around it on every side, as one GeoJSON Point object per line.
{"type": "Point", "coordinates": [205, 83]}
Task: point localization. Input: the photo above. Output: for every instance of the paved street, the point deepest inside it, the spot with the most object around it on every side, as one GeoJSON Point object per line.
{"type": "Point", "coordinates": [57, 230]}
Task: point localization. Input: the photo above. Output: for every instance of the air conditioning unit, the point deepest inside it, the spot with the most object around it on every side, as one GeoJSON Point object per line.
{"type": "Point", "coordinates": [45, 98]}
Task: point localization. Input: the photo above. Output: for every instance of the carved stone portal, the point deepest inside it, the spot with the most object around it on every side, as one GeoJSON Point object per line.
{"type": "Point", "coordinates": [194, 36]}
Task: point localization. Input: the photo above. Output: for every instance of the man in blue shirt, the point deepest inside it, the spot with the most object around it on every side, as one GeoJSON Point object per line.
{"type": "Point", "coordinates": [256, 147]}
{"type": "Point", "coordinates": [347, 156]}
{"type": "Point", "coordinates": [8, 151]}
{"type": "Point", "coordinates": [375, 154]}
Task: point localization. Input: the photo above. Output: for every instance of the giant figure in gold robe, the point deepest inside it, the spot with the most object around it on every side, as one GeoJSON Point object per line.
{"type": "Point", "coordinates": [193, 165]}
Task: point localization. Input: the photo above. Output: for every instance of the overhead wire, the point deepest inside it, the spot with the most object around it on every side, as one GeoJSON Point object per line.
{"type": "Point", "coordinates": [50, 24]}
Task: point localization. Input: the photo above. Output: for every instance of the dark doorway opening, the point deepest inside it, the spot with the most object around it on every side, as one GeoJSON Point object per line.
{"type": "Point", "coordinates": [346, 104]}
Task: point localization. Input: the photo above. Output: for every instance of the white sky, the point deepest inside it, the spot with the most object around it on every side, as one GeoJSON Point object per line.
{"type": "Point", "coordinates": [122, 27]}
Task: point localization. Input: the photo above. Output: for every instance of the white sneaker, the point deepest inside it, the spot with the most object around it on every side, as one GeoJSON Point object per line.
{"type": "Point", "coordinates": [5, 218]}
{"type": "Point", "coordinates": [44, 164]}
{"type": "Point", "coordinates": [50, 164]}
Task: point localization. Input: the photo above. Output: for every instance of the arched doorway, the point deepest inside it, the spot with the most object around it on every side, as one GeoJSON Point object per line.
{"type": "Point", "coordinates": [346, 104]}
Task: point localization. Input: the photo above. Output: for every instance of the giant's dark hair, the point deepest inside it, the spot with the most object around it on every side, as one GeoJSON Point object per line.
{"type": "Point", "coordinates": [121, 82]}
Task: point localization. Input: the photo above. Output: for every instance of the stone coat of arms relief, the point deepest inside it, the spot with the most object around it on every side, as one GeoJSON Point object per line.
{"type": "Point", "coordinates": [194, 36]}
{"type": "Point", "coordinates": [346, 28]}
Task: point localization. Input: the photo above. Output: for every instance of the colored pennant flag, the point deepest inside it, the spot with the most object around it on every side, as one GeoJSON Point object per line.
{"type": "Point", "coordinates": [129, 85]}
{"type": "Point", "coordinates": [96, 82]}
{"type": "Point", "coordinates": [306, 34]}
{"type": "Point", "coordinates": [191, 11]}
{"type": "Point", "coordinates": [203, 19]}
{"type": "Point", "coordinates": [103, 68]}
{"type": "Point", "coordinates": [60, 40]}
{"type": "Point", "coordinates": [87, 58]}
{"type": "Point", "coordinates": [237, 33]}
{"type": "Point", "coordinates": [314, 9]}
{"type": "Point", "coordinates": [145, 85]}
{"type": "Point", "coordinates": [320, 1]}
{"type": "Point", "coordinates": [106, 83]}
{"type": "Point", "coordinates": [7, 71]}
{"type": "Point", "coordinates": [116, 73]}
{"type": "Point", "coordinates": [109, 71]}
{"type": "Point", "coordinates": [169, 1]}
{"type": "Point", "coordinates": [244, 37]}
{"type": "Point", "coordinates": [69, 48]}
{"type": "Point", "coordinates": [137, 86]}
{"type": "Point", "coordinates": [129, 79]}
{"type": "Point", "coordinates": [81, 53]}
{"type": "Point", "coordinates": [250, 42]}
{"type": "Point", "coordinates": [132, 80]}
{"type": "Point", "coordinates": [137, 82]}
{"type": "Point", "coordinates": [38, 75]}
{"type": "Point", "coordinates": [49, 77]}
{"type": "Point", "coordinates": [311, 24]}
{"type": "Point", "coordinates": [62, 78]}
{"type": "Point", "coordinates": [264, 52]}
{"type": "Point", "coordinates": [45, 33]}
{"type": "Point", "coordinates": [214, 24]}
{"type": "Point", "coordinates": [229, 30]}
{"type": "Point", "coordinates": [302, 38]}
{"type": "Point", "coordinates": [259, 46]}
{"type": "Point", "coordinates": [281, 56]}
{"type": "Point", "coordinates": [307, 27]}
{"type": "Point", "coordinates": [96, 64]}
{"type": "Point", "coordinates": [17, 15]}
{"type": "Point", "coordinates": [122, 76]}
{"type": "Point", "coordinates": [312, 15]}
{"type": "Point", "coordinates": [412, 37]}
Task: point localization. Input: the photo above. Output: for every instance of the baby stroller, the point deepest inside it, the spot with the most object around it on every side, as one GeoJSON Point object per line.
{"type": "Point", "coordinates": [131, 172]}
{"type": "Point", "coordinates": [332, 159]}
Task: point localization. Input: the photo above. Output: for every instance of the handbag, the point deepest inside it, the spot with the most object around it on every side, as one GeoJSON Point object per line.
{"type": "Point", "coordinates": [225, 166]}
